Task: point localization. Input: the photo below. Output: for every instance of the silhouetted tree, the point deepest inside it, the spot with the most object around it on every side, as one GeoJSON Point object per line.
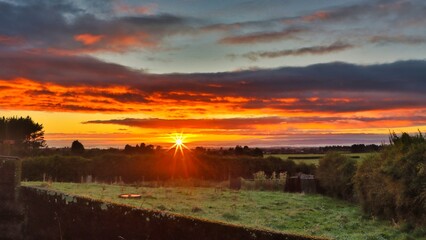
{"type": "Point", "coordinates": [239, 150]}
{"type": "Point", "coordinates": [142, 149]}
{"type": "Point", "coordinates": [257, 152]}
{"type": "Point", "coordinates": [77, 147]}
{"type": "Point", "coordinates": [26, 133]}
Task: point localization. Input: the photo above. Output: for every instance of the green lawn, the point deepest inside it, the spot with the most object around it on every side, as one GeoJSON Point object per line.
{"type": "Point", "coordinates": [296, 157]}
{"type": "Point", "coordinates": [295, 213]}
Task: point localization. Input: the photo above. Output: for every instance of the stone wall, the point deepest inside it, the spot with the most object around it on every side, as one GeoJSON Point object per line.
{"type": "Point", "coordinates": [54, 215]}
{"type": "Point", "coordinates": [11, 214]}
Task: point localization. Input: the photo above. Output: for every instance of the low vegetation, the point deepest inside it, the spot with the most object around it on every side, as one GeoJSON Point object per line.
{"type": "Point", "coordinates": [310, 158]}
{"type": "Point", "coordinates": [297, 213]}
{"type": "Point", "coordinates": [261, 181]}
{"type": "Point", "coordinates": [335, 172]}
{"type": "Point", "coordinates": [389, 185]}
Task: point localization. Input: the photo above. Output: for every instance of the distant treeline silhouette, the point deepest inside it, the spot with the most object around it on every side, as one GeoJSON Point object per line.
{"type": "Point", "coordinates": [148, 163]}
{"type": "Point", "coordinates": [354, 148]}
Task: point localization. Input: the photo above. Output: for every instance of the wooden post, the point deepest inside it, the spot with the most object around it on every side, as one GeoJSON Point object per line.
{"type": "Point", "coordinates": [11, 210]}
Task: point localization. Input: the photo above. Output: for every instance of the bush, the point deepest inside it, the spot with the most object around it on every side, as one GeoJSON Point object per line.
{"type": "Point", "coordinates": [60, 168]}
{"type": "Point", "coordinates": [374, 191]}
{"type": "Point", "coordinates": [335, 172]}
{"type": "Point", "coordinates": [393, 184]}
{"type": "Point", "coordinates": [261, 181]}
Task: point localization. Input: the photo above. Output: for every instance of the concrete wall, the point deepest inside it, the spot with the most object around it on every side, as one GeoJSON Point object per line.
{"type": "Point", "coordinates": [11, 214]}
{"type": "Point", "coordinates": [53, 215]}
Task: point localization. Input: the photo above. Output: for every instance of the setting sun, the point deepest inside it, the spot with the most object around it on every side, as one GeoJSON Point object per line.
{"type": "Point", "coordinates": [178, 145]}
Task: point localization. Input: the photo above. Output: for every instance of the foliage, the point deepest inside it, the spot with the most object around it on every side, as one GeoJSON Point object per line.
{"type": "Point", "coordinates": [309, 159]}
{"type": "Point", "coordinates": [77, 147]}
{"type": "Point", "coordinates": [393, 184]}
{"type": "Point", "coordinates": [261, 181]}
{"type": "Point", "coordinates": [237, 151]}
{"type": "Point", "coordinates": [26, 133]}
{"type": "Point", "coordinates": [335, 172]}
{"type": "Point", "coordinates": [107, 165]}
{"type": "Point", "coordinates": [140, 149]}
{"type": "Point", "coordinates": [259, 176]}
{"type": "Point", "coordinates": [59, 168]}
{"type": "Point", "coordinates": [373, 189]}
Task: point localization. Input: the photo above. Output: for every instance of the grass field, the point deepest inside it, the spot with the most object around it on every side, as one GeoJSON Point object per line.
{"type": "Point", "coordinates": [295, 213]}
{"type": "Point", "coordinates": [313, 158]}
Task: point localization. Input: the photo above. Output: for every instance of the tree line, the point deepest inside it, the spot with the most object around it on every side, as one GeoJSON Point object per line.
{"type": "Point", "coordinates": [108, 165]}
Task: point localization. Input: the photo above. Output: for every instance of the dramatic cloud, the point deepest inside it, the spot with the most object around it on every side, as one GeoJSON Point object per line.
{"type": "Point", "coordinates": [70, 83]}
{"type": "Point", "coordinates": [81, 58]}
{"type": "Point", "coordinates": [316, 50]}
{"type": "Point", "coordinates": [395, 11]}
{"type": "Point", "coordinates": [257, 126]}
{"type": "Point", "coordinates": [63, 28]}
{"type": "Point", "coordinates": [231, 123]}
{"type": "Point", "coordinates": [88, 39]}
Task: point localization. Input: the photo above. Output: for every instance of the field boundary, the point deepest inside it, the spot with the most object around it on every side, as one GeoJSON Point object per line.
{"type": "Point", "coordinates": [56, 215]}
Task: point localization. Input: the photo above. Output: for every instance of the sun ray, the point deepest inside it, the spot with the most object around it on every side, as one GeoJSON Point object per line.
{"type": "Point", "coordinates": [178, 145]}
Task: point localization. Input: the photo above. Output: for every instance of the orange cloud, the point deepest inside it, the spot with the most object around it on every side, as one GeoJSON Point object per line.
{"type": "Point", "coordinates": [10, 40]}
{"type": "Point", "coordinates": [125, 41]}
{"type": "Point", "coordinates": [117, 42]}
{"type": "Point", "coordinates": [342, 99]}
{"type": "Point", "coordinates": [320, 15]}
{"type": "Point", "coordinates": [88, 39]}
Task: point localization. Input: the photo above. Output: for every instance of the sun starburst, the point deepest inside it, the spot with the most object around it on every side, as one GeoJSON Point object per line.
{"type": "Point", "coordinates": [178, 140]}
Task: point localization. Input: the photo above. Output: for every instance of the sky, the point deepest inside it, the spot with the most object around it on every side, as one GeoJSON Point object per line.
{"type": "Point", "coordinates": [222, 73]}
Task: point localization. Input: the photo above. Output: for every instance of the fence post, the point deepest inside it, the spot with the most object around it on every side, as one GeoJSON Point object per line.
{"type": "Point", "coordinates": [11, 212]}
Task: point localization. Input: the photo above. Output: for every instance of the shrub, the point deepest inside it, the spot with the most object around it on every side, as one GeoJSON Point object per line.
{"type": "Point", "coordinates": [374, 190]}
{"type": "Point", "coordinates": [335, 172]}
{"type": "Point", "coordinates": [393, 184]}
{"type": "Point", "coordinates": [262, 182]}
